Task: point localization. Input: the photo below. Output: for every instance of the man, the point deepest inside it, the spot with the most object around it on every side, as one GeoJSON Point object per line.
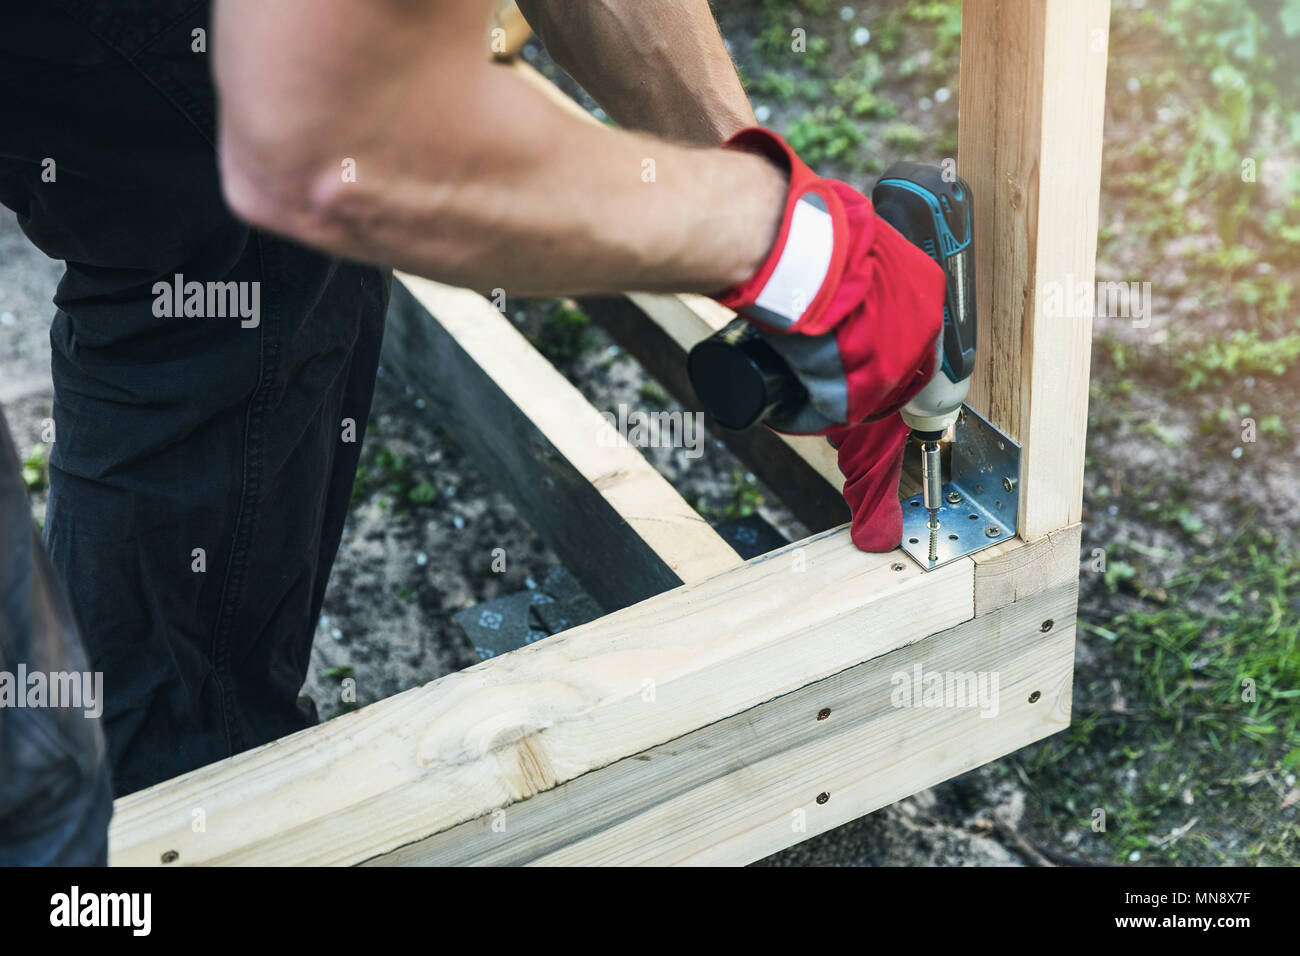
{"type": "Point", "coordinates": [199, 481]}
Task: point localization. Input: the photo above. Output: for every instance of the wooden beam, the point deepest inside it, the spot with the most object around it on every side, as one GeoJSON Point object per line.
{"type": "Point", "coordinates": [1013, 570]}
{"type": "Point", "coordinates": [403, 769]}
{"type": "Point", "coordinates": [508, 30]}
{"type": "Point", "coordinates": [614, 521]}
{"type": "Point", "coordinates": [1033, 83]}
{"type": "Point", "coordinates": [748, 786]}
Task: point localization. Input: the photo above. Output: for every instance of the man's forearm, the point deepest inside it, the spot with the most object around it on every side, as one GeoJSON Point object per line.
{"type": "Point", "coordinates": [377, 131]}
{"type": "Point", "coordinates": [653, 65]}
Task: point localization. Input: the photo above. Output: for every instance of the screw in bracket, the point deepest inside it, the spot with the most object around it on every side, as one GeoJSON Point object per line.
{"type": "Point", "coordinates": [1008, 483]}
{"type": "Point", "coordinates": [953, 497]}
{"type": "Point", "coordinates": [993, 531]}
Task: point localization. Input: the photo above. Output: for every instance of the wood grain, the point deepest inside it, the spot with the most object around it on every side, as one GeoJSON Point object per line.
{"type": "Point", "coordinates": [400, 770]}
{"type": "Point", "coordinates": [1012, 571]}
{"type": "Point", "coordinates": [1033, 81]}
{"type": "Point", "coordinates": [746, 787]}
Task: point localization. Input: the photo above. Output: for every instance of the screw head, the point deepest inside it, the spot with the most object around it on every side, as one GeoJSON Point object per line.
{"type": "Point", "coordinates": [897, 566]}
{"type": "Point", "coordinates": [823, 797]}
{"type": "Point", "coordinates": [1047, 625]}
{"type": "Point", "coordinates": [953, 497]}
{"type": "Point", "coordinates": [993, 531]}
{"type": "Point", "coordinates": [1008, 483]}
{"type": "Point", "coordinates": [171, 856]}
{"type": "Point", "coordinates": [1033, 698]}
{"type": "Point", "coordinates": [823, 713]}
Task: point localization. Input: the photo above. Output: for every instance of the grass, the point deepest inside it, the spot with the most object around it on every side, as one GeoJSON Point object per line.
{"type": "Point", "coordinates": [1213, 87]}
{"type": "Point", "coordinates": [826, 135]}
{"type": "Point", "coordinates": [652, 393]}
{"type": "Point", "coordinates": [395, 477]}
{"type": "Point", "coordinates": [1196, 715]}
{"type": "Point", "coordinates": [1242, 352]}
{"type": "Point", "coordinates": [566, 333]}
{"type": "Point", "coordinates": [745, 498]}
{"type": "Point", "coordinates": [36, 469]}
{"type": "Point", "coordinates": [839, 96]}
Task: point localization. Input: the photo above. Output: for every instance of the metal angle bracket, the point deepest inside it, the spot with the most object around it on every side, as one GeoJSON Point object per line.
{"type": "Point", "coordinates": [979, 503]}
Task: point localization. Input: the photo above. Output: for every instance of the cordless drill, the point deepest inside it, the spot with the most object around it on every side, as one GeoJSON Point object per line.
{"type": "Point", "coordinates": [741, 380]}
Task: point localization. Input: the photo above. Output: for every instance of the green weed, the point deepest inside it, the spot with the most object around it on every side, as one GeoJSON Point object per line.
{"type": "Point", "coordinates": [1242, 352]}
{"type": "Point", "coordinates": [566, 333]}
{"type": "Point", "coordinates": [36, 469]}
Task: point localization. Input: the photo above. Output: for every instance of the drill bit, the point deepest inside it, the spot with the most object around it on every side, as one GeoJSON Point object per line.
{"type": "Point", "coordinates": [931, 487]}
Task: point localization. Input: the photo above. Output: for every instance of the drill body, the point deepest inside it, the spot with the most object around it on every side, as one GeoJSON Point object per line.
{"type": "Point", "coordinates": [933, 211]}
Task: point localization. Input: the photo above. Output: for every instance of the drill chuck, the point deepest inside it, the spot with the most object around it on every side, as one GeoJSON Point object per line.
{"type": "Point", "coordinates": [931, 477]}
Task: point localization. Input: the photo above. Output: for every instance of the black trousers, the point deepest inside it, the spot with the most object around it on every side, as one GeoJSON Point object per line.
{"type": "Point", "coordinates": [206, 439]}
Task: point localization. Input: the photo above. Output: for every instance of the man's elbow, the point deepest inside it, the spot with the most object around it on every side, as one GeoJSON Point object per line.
{"type": "Point", "coordinates": [259, 192]}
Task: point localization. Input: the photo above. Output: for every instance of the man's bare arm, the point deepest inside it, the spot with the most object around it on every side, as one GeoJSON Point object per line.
{"type": "Point", "coordinates": [463, 172]}
{"type": "Point", "coordinates": [654, 65]}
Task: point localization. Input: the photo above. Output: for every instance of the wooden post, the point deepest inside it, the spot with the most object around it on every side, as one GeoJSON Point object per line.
{"type": "Point", "coordinates": [1033, 86]}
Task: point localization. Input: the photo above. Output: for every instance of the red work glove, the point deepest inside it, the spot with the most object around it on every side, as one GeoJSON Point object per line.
{"type": "Point", "coordinates": [871, 460]}
{"type": "Point", "coordinates": [855, 310]}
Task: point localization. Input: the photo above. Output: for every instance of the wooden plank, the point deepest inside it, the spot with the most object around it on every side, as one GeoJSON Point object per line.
{"type": "Point", "coordinates": [508, 32]}
{"type": "Point", "coordinates": [747, 786]}
{"type": "Point", "coordinates": [416, 764]}
{"type": "Point", "coordinates": [612, 519]}
{"type": "Point", "coordinates": [1033, 82]}
{"type": "Point", "coordinates": [1013, 570]}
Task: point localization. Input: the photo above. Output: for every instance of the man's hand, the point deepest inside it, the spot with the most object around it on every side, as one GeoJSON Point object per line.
{"type": "Point", "coordinates": [855, 310]}
{"type": "Point", "coordinates": [377, 130]}
{"type": "Point", "coordinates": [853, 307]}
